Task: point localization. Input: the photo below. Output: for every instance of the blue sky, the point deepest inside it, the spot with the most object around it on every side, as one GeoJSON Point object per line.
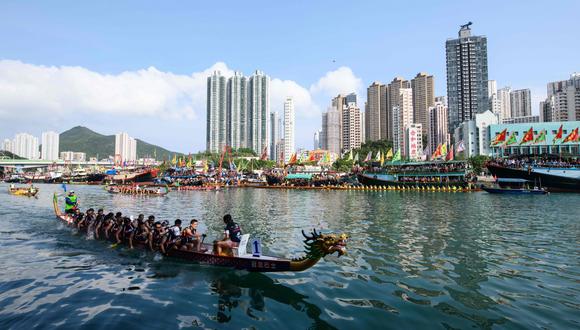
{"type": "Point", "coordinates": [51, 52]}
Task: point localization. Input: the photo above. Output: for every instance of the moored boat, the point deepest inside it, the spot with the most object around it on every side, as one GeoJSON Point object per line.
{"type": "Point", "coordinates": [554, 179]}
{"type": "Point", "coordinates": [423, 175]}
{"type": "Point", "coordinates": [143, 175]}
{"type": "Point", "coordinates": [509, 186]}
{"type": "Point", "coordinates": [317, 245]}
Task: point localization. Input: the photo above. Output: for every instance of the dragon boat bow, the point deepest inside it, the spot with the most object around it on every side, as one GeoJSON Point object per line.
{"type": "Point", "coordinates": [317, 245]}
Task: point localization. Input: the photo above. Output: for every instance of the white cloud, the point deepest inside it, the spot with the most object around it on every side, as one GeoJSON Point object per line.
{"type": "Point", "coordinates": [339, 81]}
{"type": "Point", "coordinates": [303, 103]}
{"type": "Point", "coordinates": [72, 95]}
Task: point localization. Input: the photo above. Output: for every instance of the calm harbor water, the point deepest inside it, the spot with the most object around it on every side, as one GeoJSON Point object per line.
{"type": "Point", "coordinates": [415, 260]}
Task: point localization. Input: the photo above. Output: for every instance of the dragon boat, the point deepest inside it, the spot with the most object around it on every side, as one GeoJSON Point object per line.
{"type": "Point", "coordinates": [137, 191]}
{"type": "Point", "coordinates": [23, 191]}
{"type": "Point", "coordinates": [196, 188]}
{"type": "Point", "coordinates": [317, 245]}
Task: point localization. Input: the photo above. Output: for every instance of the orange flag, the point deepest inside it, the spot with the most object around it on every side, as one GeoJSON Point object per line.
{"type": "Point", "coordinates": [572, 137]}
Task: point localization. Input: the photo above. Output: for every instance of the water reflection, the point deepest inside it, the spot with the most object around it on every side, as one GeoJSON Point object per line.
{"type": "Point", "coordinates": [233, 288]}
{"type": "Point", "coordinates": [415, 260]}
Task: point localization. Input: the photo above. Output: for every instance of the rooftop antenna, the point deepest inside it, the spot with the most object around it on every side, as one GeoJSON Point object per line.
{"type": "Point", "coordinates": [466, 26]}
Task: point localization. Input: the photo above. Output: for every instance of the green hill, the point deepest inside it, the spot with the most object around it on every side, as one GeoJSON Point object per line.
{"type": "Point", "coordinates": [8, 155]}
{"type": "Point", "coordinates": [82, 139]}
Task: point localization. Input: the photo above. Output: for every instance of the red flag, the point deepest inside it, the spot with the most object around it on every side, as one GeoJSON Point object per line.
{"type": "Point", "coordinates": [529, 136]}
{"type": "Point", "coordinates": [293, 159]}
{"type": "Point", "coordinates": [572, 137]}
{"type": "Point", "coordinates": [560, 132]}
{"type": "Point", "coordinates": [264, 153]}
{"type": "Point", "coordinates": [449, 154]}
{"type": "Point", "coordinates": [311, 157]}
{"type": "Point", "coordinates": [500, 137]}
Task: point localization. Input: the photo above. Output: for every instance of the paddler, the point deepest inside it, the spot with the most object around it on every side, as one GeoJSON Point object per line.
{"type": "Point", "coordinates": [71, 203]}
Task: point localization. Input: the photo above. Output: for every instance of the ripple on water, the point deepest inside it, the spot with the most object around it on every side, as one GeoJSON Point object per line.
{"type": "Point", "coordinates": [414, 261]}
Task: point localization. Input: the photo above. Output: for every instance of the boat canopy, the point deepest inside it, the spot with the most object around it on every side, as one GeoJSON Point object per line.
{"type": "Point", "coordinates": [437, 162]}
{"type": "Point", "coordinates": [511, 180]}
{"type": "Point", "coordinates": [432, 174]}
{"type": "Point", "coordinates": [306, 176]}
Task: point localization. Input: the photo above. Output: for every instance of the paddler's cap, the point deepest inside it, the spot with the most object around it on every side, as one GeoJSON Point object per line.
{"type": "Point", "coordinates": [72, 191]}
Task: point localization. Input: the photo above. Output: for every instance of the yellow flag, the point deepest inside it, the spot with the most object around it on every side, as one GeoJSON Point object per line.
{"type": "Point", "coordinates": [444, 149]}
{"type": "Point", "coordinates": [382, 159]}
{"type": "Point", "coordinates": [389, 153]}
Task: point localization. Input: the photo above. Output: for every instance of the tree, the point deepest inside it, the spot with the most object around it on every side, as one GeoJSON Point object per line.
{"type": "Point", "coordinates": [343, 165]}
{"type": "Point", "coordinates": [374, 147]}
{"type": "Point", "coordinates": [478, 163]}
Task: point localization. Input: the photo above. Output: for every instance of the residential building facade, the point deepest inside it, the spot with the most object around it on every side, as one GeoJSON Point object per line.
{"type": "Point", "coordinates": [125, 148]}
{"type": "Point", "coordinates": [237, 111]}
{"type": "Point", "coordinates": [49, 146]}
{"type": "Point", "coordinates": [438, 132]}
{"type": "Point", "coordinates": [274, 135]}
{"type": "Point", "coordinates": [563, 100]}
{"type": "Point", "coordinates": [25, 145]}
{"type": "Point", "coordinates": [289, 120]}
{"type": "Point", "coordinates": [393, 98]}
{"type": "Point", "coordinates": [376, 112]}
{"type": "Point", "coordinates": [402, 118]}
{"type": "Point", "coordinates": [216, 130]}
{"type": "Point", "coordinates": [520, 103]}
{"type": "Point", "coordinates": [423, 86]}
{"type": "Point", "coordinates": [467, 76]}
{"type": "Point", "coordinates": [351, 127]}
{"type": "Point", "coordinates": [259, 109]}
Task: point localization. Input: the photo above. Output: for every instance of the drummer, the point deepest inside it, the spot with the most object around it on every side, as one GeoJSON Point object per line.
{"type": "Point", "coordinates": [232, 236]}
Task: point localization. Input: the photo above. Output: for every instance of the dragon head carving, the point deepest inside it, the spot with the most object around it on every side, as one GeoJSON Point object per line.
{"type": "Point", "coordinates": [318, 245]}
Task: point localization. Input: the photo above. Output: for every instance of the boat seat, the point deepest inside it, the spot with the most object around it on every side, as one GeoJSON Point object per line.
{"type": "Point", "coordinates": [241, 250]}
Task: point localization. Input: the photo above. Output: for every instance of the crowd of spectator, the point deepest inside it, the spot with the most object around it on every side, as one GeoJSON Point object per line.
{"type": "Point", "coordinates": [525, 162]}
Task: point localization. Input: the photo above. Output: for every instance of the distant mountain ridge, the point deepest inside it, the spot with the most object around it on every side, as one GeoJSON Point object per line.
{"type": "Point", "coordinates": [82, 139]}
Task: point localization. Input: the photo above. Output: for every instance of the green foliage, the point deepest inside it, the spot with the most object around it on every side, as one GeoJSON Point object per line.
{"type": "Point", "coordinates": [251, 164]}
{"type": "Point", "coordinates": [343, 165]}
{"type": "Point", "coordinates": [8, 155]}
{"type": "Point", "coordinates": [82, 139]}
{"type": "Point", "coordinates": [374, 146]}
{"type": "Point", "coordinates": [478, 163]}
{"type": "Point", "coordinates": [244, 152]}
